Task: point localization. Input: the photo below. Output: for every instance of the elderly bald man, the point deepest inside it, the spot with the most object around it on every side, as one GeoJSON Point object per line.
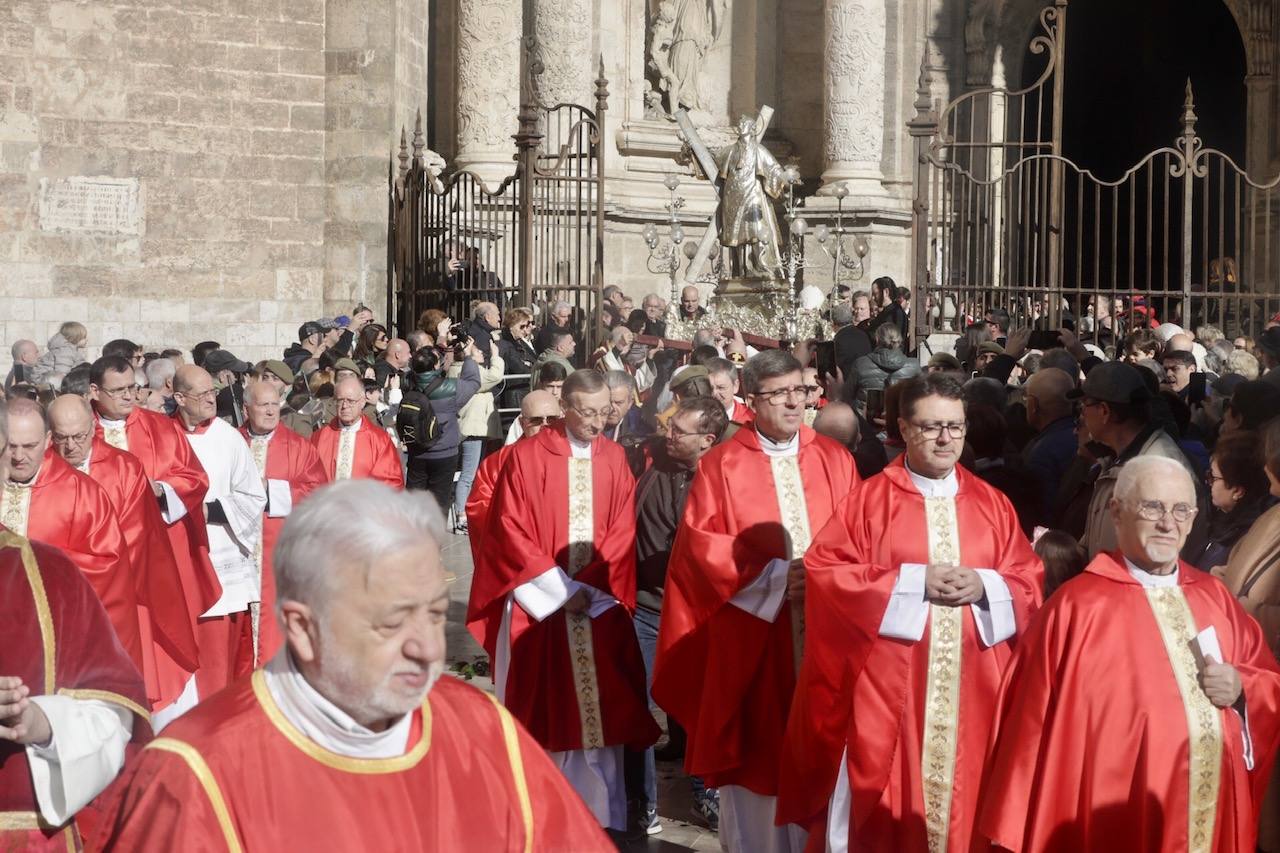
{"type": "Point", "coordinates": [169, 653]}
{"type": "Point", "coordinates": [384, 743]}
{"type": "Point", "coordinates": [352, 447]}
{"type": "Point", "coordinates": [1051, 413]}
{"type": "Point", "coordinates": [1142, 688]}
{"type": "Point", "coordinates": [25, 354]}
{"type": "Point", "coordinates": [233, 518]}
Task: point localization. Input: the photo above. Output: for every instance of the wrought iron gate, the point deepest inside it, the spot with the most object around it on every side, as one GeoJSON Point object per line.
{"type": "Point", "coordinates": [538, 237]}
{"type": "Point", "coordinates": [1002, 219]}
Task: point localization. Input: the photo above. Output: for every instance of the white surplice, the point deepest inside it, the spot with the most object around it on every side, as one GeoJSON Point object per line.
{"type": "Point", "coordinates": [83, 756]}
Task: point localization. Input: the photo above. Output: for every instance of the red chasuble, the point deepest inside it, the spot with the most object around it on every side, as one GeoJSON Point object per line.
{"type": "Point", "coordinates": [898, 705]}
{"type": "Point", "coordinates": [478, 503]}
{"type": "Point", "coordinates": [573, 689]}
{"type": "Point", "coordinates": [55, 636]}
{"type": "Point", "coordinates": [229, 775]}
{"type": "Point", "coordinates": [742, 414]}
{"type": "Point", "coordinates": [169, 652]}
{"type": "Point", "coordinates": [374, 455]}
{"type": "Point", "coordinates": [166, 455]}
{"type": "Point", "coordinates": [73, 514]}
{"type": "Point", "coordinates": [1105, 740]}
{"type": "Point", "coordinates": [725, 674]}
{"type": "Point", "coordinates": [291, 458]}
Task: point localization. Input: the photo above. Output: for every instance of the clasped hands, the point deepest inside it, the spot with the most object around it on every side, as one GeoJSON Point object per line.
{"type": "Point", "coordinates": [952, 586]}
{"type": "Point", "coordinates": [21, 720]}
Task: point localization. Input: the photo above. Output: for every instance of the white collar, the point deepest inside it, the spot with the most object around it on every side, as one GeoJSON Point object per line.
{"type": "Point", "coordinates": [324, 722]}
{"type": "Point", "coordinates": [355, 427]}
{"type": "Point", "coordinates": [946, 487]}
{"type": "Point", "coordinates": [1150, 581]}
{"type": "Point", "coordinates": [83, 467]}
{"type": "Point", "coordinates": [771, 448]}
{"type": "Point", "coordinates": [266, 436]}
{"type": "Point", "coordinates": [579, 449]}
{"type": "Point", "coordinates": [107, 423]}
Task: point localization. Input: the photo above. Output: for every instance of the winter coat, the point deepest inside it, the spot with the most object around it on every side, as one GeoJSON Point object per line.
{"type": "Point", "coordinates": [60, 357]}
{"type": "Point", "coordinates": [881, 368]}
{"type": "Point", "coordinates": [446, 400]}
{"type": "Point", "coordinates": [479, 417]}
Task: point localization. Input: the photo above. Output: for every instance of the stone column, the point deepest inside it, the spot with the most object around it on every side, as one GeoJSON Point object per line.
{"type": "Point", "coordinates": [488, 75]}
{"type": "Point", "coordinates": [563, 29]}
{"type": "Point", "coordinates": [853, 96]}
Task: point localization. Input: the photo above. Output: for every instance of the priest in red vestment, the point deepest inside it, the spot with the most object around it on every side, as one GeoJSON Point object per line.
{"type": "Point", "coordinates": [351, 738]}
{"type": "Point", "coordinates": [916, 590]}
{"type": "Point", "coordinates": [351, 446]}
{"type": "Point", "coordinates": [47, 500]}
{"type": "Point", "coordinates": [169, 655]}
{"type": "Point", "coordinates": [1142, 708]}
{"type": "Point", "coordinates": [730, 636]}
{"type": "Point", "coordinates": [724, 387]}
{"type": "Point", "coordinates": [177, 480]}
{"type": "Point", "coordinates": [556, 591]}
{"type": "Point", "coordinates": [291, 469]}
{"type": "Point", "coordinates": [70, 697]}
{"type": "Point", "coordinates": [537, 410]}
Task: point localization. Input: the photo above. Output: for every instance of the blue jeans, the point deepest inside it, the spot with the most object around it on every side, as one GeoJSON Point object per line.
{"type": "Point", "coordinates": [646, 622]}
{"type": "Point", "coordinates": [469, 462]}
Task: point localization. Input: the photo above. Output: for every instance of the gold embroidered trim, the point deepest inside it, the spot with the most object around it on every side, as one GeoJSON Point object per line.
{"type": "Point", "coordinates": [117, 437]}
{"type": "Point", "coordinates": [582, 529]}
{"type": "Point", "coordinates": [44, 616]}
{"type": "Point", "coordinates": [942, 699]}
{"type": "Point", "coordinates": [23, 822]}
{"type": "Point", "coordinates": [366, 766]}
{"type": "Point", "coordinates": [108, 696]}
{"type": "Point", "coordinates": [346, 454]}
{"type": "Point", "coordinates": [15, 507]}
{"type": "Point", "coordinates": [788, 486]}
{"type": "Point", "coordinates": [512, 741]}
{"type": "Point", "coordinates": [1204, 723]}
{"type": "Point", "coordinates": [195, 761]}
{"type": "Point", "coordinates": [258, 447]}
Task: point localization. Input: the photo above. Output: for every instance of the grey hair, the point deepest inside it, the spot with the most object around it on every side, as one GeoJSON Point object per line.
{"type": "Point", "coordinates": [349, 523]}
{"type": "Point", "coordinates": [767, 365]}
{"type": "Point", "coordinates": [651, 298]}
{"type": "Point", "coordinates": [1148, 465]}
{"type": "Point", "coordinates": [617, 333]}
{"type": "Point", "coordinates": [251, 391]}
{"type": "Point", "coordinates": [16, 349]}
{"type": "Point", "coordinates": [560, 305]}
{"type": "Point", "coordinates": [888, 337]}
{"type": "Point", "coordinates": [160, 371]}
{"type": "Point", "coordinates": [620, 379]}
{"type": "Point", "coordinates": [842, 314]}
{"type": "Point", "coordinates": [1243, 363]}
{"type": "Point", "coordinates": [704, 337]}
{"type": "Point", "coordinates": [480, 307]}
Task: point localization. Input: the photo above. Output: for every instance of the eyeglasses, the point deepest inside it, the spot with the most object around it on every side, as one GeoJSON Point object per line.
{"type": "Point", "coordinates": [592, 414]}
{"type": "Point", "coordinates": [201, 395]}
{"type": "Point", "coordinates": [350, 401]}
{"type": "Point", "coordinates": [78, 438]}
{"type": "Point", "coordinates": [1155, 510]}
{"type": "Point", "coordinates": [523, 325]}
{"type": "Point", "coordinates": [1211, 479]}
{"type": "Point", "coordinates": [932, 431]}
{"type": "Point", "coordinates": [120, 393]}
{"type": "Point", "coordinates": [676, 432]}
{"type": "Point", "coordinates": [540, 420]}
{"type": "Point", "coordinates": [781, 396]}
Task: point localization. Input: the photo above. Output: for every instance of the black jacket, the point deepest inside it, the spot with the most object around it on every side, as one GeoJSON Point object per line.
{"type": "Point", "coordinates": [446, 401]}
{"type": "Point", "coordinates": [295, 355]}
{"type": "Point", "coordinates": [660, 498]}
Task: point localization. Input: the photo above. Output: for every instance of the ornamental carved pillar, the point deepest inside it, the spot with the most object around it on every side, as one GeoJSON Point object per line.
{"type": "Point", "coordinates": [853, 96]}
{"type": "Point", "coordinates": [488, 75]}
{"type": "Point", "coordinates": [563, 29]}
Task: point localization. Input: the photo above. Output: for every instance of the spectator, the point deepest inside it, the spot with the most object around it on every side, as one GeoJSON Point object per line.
{"type": "Point", "coordinates": [851, 343]}
{"type": "Point", "coordinates": [860, 302]}
{"type": "Point", "coordinates": [478, 419]}
{"type": "Point", "coordinates": [201, 351]}
{"type": "Point", "coordinates": [76, 381]}
{"type": "Point", "coordinates": [986, 438]}
{"type": "Point", "coordinates": [432, 470]}
{"type": "Point", "coordinates": [160, 375]}
{"type": "Point", "coordinates": [417, 339]}
{"type": "Point", "coordinates": [394, 362]}
{"type": "Point", "coordinates": [610, 307]}
{"type": "Point", "coordinates": [884, 365]}
{"type": "Point", "coordinates": [967, 346]}
{"type": "Point", "coordinates": [1140, 345]}
{"type": "Point", "coordinates": [623, 423]}
{"type": "Point", "coordinates": [654, 308]}
{"type": "Point", "coordinates": [1049, 455]}
{"type": "Point", "coordinates": [1239, 492]}
{"type": "Point", "coordinates": [550, 378]}
{"type": "Point", "coordinates": [891, 313]}
{"type": "Point", "coordinates": [1267, 350]}
{"type": "Point", "coordinates": [311, 337]}
{"type": "Point", "coordinates": [517, 354]}
{"type": "Point", "coordinates": [561, 350]}
{"type": "Point", "coordinates": [64, 351]}
{"type": "Point", "coordinates": [371, 344]}
{"type": "Point", "coordinates": [1063, 558]}
{"type": "Point", "coordinates": [174, 355]}
{"type": "Point", "coordinates": [1252, 404]}
{"type": "Point", "coordinates": [987, 352]}
{"type": "Point", "coordinates": [842, 422]}
{"type": "Point", "coordinates": [690, 310]}
{"type": "Point", "coordinates": [1178, 367]}
{"type": "Point", "coordinates": [126, 349]}
{"type": "Point", "coordinates": [1243, 364]}
{"type": "Point", "coordinates": [25, 354]}
{"type": "Point", "coordinates": [484, 326]}
{"type": "Point", "coordinates": [997, 320]}
{"type": "Point", "coordinates": [559, 322]}
{"type": "Point", "coordinates": [944, 362]}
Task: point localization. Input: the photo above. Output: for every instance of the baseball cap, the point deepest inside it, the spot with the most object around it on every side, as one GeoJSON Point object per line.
{"type": "Point", "coordinates": [327, 324]}
{"type": "Point", "coordinates": [309, 328]}
{"type": "Point", "coordinates": [1113, 382]}
{"type": "Point", "coordinates": [220, 360]}
{"type": "Point", "coordinates": [278, 369]}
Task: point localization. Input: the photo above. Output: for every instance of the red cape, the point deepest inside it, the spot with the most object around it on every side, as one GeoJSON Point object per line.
{"type": "Point", "coordinates": [852, 567]}
{"type": "Point", "coordinates": [169, 648]}
{"type": "Point", "coordinates": [56, 637]}
{"type": "Point", "coordinates": [1091, 747]}
{"type": "Point", "coordinates": [472, 779]}
{"type": "Point", "coordinates": [742, 414]}
{"type": "Point", "coordinates": [166, 455]}
{"type": "Point", "coordinates": [724, 674]}
{"type": "Point", "coordinates": [531, 499]}
{"type": "Point", "coordinates": [478, 504]}
{"type": "Point", "coordinates": [73, 514]}
{"type": "Point", "coordinates": [376, 455]}
{"type": "Point", "coordinates": [292, 458]}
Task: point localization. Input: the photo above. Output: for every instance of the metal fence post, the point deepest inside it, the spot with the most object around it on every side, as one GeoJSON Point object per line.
{"type": "Point", "coordinates": [922, 127]}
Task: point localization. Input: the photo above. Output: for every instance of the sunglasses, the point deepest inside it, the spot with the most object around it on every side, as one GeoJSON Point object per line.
{"type": "Point", "coordinates": [541, 420]}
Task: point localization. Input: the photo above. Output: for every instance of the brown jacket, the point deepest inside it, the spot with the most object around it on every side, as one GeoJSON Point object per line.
{"type": "Point", "coordinates": [1253, 574]}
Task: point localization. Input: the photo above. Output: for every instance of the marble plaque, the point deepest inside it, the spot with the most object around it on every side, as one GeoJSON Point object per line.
{"type": "Point", "coordinates": [93, 205]}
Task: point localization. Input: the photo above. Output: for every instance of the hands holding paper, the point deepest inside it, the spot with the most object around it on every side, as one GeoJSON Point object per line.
{"type": "Point", "coordinates": [1221, 683]}
{"type": "Point", "coordinates": [953, 586]}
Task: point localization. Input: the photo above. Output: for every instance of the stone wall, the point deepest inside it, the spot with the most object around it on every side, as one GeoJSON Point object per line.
{"type": "Point", "coordinates": [210, 117]}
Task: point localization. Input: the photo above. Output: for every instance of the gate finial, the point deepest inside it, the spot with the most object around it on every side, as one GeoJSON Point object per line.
{"type": "Point", "coordinates": [925, 121]}
{"type": "Point", "coordinates": [418, 142]}
{"type": "Point", "coordinates": [602, 87]}
{"type": "Point", "coordinates": [1189, 112]}
{"type": "Point", "coordinates": [404, 153]}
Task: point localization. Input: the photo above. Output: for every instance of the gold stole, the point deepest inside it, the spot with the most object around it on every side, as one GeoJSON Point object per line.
{"type": "Point", "coordinates": [15, 507]}
{"type": "Point", "coordinates": [346, 453]}
{"type": "Point", "coordinates": [942, 699]}
{"type": "Point", "coordinates": [258, 447]}
{"type": "Point", "coordinates": [1204, 724]}
{"type": "Point", "coordinates": [810, 415]}
{"type": "Point", "coordinates": [794, 512]}
{"type": "Point", "coordinates": [581, 649]}
{"type": "Point", "coordinates": [116, 437]}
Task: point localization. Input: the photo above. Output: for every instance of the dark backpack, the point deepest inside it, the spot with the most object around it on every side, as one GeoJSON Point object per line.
{"type": "Point", "coordinates": [416, 422]}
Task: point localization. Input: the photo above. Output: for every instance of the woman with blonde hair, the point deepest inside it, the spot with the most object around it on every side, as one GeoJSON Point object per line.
{"type": "Point", "coordinates": [66, 350]}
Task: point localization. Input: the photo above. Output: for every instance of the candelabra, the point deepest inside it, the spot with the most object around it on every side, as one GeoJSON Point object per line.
{"type": "Point", "coordinates": [845, 265]}
{"type": "Point", "coordinates": [664, 256]}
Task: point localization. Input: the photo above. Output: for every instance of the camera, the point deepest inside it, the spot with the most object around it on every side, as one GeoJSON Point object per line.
{"type": "Point", "coordinates": [458, 338]}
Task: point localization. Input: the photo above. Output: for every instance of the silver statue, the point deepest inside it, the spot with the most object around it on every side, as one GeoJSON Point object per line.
{"type": "Point", "coordinates": [751, 178]}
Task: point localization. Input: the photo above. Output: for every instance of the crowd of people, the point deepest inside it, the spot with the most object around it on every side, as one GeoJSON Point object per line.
{"type": "Point", "coordinates": [1003, 597]}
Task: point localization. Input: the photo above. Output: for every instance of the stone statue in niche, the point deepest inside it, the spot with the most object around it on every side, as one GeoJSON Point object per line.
{"type": "Point", "coordinates": [682, 33]}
